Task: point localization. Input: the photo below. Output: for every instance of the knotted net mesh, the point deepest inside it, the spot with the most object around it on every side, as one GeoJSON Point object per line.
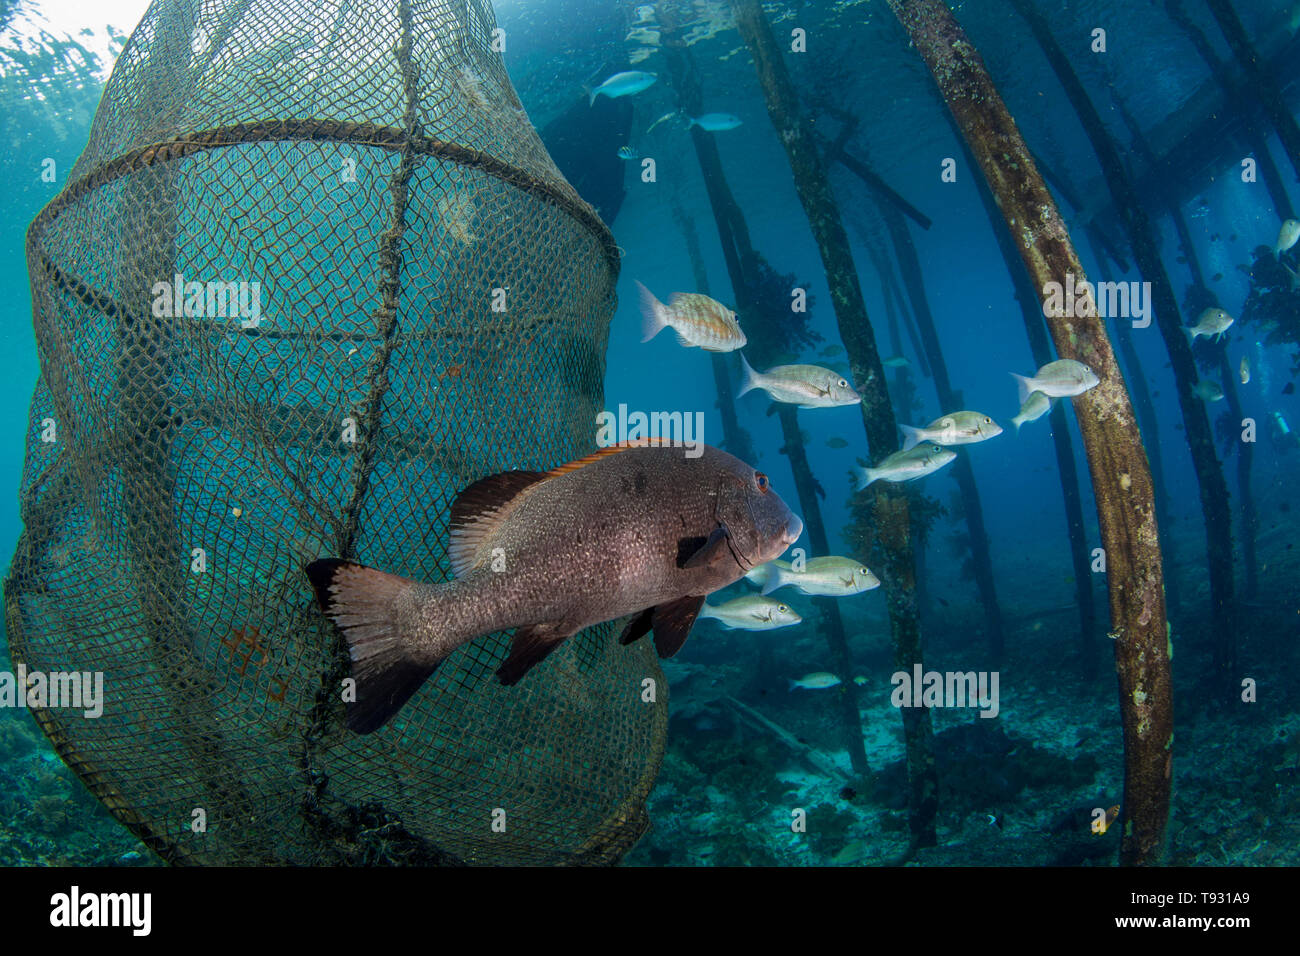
{"type": "Point", "coordinates": [313, 274]}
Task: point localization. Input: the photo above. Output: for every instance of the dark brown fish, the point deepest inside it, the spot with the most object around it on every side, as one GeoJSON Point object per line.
{"type": "Point", "coordinates": [642, 530]}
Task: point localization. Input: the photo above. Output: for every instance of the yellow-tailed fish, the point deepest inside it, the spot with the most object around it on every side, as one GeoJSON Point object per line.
{"type": "Point", "coordinates": [697, 319]}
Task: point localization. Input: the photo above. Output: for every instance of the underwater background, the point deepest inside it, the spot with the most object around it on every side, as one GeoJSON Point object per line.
{"type": "Point", "coordinates": [745, 744]}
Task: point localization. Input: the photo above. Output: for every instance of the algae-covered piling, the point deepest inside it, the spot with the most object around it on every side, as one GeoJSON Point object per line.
{"type": "Point", "coordinates": [1120, 477]}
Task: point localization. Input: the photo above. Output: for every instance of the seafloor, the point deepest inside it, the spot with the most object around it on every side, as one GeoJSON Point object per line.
{"type": "Point", "coordinates": [1018, 789]}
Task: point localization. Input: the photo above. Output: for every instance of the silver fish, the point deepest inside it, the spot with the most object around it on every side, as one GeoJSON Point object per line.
{"type": "Point", "coordinates": [815, 681]}
{"type": "Point", "coordinates": [1208, 390]}
{"type": "Point", "coordinates": [1035, 406]}
{"type": "Point", "coordinates": [959, 428]}
{"type": "Point", "coordinates": [1211, 322]}
{"type": "Point", "coordinates": [715, 122]}
{"type": "Point", "coordinates": [907, 465]}
{"type": "Point", "coordinates": [897, 361]}
{"type": "Point", "coordinates": [638, 530]}
{"type": "Point", "coordinates": [753, 612]}
{"type": "Point", "coordinates": [1286, 237]}
{"type": "Point", "coordinates": [622, 84]}
{"type": "Point", "coordinates": [662, 119]}
{"type": "Point", "coordinates": [1063, 378]}
{"type": "Point", "coordinates": [808, 386]}
{"type": "Point", "coordinates": [1244, 370]}
{"type": "Point", "coordinates": [829, 576]}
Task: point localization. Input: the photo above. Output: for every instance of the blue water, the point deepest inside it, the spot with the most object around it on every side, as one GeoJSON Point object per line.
{"type": "Point", "coordinates": [858, 60]}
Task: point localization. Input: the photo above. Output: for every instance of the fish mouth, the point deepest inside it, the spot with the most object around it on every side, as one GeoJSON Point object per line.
{"type": "Point", "coordinates": [793, 528]}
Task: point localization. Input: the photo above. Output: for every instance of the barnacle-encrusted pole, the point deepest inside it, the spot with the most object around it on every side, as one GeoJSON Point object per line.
{"type": "Point", "coordinates": [1120, 478]}
{"type": "Point", "coordinates": [893, 524]}
{"type": "Point", "coordinates": [1196, 421]}
{"type": "Point", "coordinates": [743, 269]}
{"type": "Point", "coordinates": [1149, 425]}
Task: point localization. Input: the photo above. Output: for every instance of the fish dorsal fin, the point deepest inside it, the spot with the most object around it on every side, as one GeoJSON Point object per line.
{"type": "Point", "coordinates": [606, 452]}
{"type": "Point", "coordinates": [477, 512]}
{"type": "Point", "coordinates": [672, 623]}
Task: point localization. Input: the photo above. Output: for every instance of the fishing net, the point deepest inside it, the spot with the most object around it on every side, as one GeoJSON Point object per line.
{"type": "Point", "coordinates": [432, 305]}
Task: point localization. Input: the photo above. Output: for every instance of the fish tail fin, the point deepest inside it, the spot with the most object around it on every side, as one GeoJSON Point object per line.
{"type": "Point", "coordinates": [706, 610]}
{"type": "Point", "coordinates": [1191, 333]}
{"type": "Point", "coordinates": [757, 575]}
{"type": "Point", "coordinates": [1015, 423]}
{"type": "Point", "coordinates": [591, 95]}
{"type": "Point", "coordinates": [654, 314]}
{"type": "Point", "coordinates": [865, 476]}
{"type": "Point", "coordinates": [360, 600]}
{"type": "Point", "coordinates": [749, 378]}
{"type": "Point", "coordinates": [792, 684]}
{"type": "Point", "coordinates": [1022, 385]}
{"type": "Point", "coordinates": [911, 437]}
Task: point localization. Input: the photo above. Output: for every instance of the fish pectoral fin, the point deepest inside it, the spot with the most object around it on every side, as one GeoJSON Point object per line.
{"type": "Point", "coordinates": [638, 627]}
{"type": "Point", "coordinates": [672, 623]}
{"type": "Point", "coordinates": [706, 553]}
{"type": "Point", "coordinates": [529, 648]}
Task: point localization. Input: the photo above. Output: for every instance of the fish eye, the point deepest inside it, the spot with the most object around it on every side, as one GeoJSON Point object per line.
{"type": "Point", "coordinates": [782, 608]}
{"type": "Point", "coordinates": [987, 420]}
{"type": "Point", "coordinates": [843, 384]}
{"type": "Point", "coordinates": [760, 480]}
